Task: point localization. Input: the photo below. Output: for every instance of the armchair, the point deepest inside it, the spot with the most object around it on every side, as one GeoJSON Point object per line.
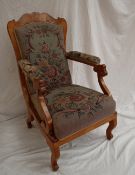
{"type": "Point", "coordinates": [63, 110]}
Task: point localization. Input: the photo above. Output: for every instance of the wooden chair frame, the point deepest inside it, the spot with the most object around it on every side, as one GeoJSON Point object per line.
{"type": "Point", "coordinates": [46, 124]}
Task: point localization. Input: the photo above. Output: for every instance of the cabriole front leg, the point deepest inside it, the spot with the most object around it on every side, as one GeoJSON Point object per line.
{"type": "Point", "coordinates": [112, 125]}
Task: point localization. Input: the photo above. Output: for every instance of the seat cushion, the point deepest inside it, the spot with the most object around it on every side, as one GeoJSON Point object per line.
{"type": "Point", "coordinates": [74, 107]}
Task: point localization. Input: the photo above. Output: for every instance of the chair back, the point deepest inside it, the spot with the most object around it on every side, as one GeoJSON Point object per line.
{"type": "Point", "coordinates": [41, 39]}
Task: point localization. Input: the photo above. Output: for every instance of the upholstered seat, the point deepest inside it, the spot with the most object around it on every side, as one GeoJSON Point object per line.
{"type": "Point", "coordinates": [75, 107]}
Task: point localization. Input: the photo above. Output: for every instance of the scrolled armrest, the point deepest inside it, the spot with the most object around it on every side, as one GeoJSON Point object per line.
{"type": "Point", "coordinates": [83, 58]}
{"type": "Point", "coordinates": [30, 71]}
{"type": "Point", "coordinates": [101, 70]}
{"type": "Point", "coordinates": [26, 66]}
{"type": "Point", "coordinates": [94, 61]}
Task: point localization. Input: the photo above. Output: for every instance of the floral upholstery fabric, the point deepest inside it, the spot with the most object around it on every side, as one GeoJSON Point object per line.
{"type": "Point", "coordinates": [74, 107]}
{"type": "Point", "coordinates": [43, 45]}
{"type": "Point", "coordinates": [83, 57]}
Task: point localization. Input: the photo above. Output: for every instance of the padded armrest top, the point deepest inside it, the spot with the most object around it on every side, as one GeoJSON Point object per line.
{"type": "Point", "coordinates": [82, 57]}
{"type": "Point", "coordinates": [26, 66]}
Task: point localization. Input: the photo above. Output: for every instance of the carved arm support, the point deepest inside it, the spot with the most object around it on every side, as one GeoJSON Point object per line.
{"type": "Point", "coordinates": [39, 85]}
{"type": "Point", "coordinates": [101, 72]}
{"type": "Point", "coordinates": [93, 61]}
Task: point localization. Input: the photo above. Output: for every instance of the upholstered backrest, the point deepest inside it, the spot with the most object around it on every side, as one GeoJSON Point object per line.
{"type": "Point", "coordinates": [43, 45]}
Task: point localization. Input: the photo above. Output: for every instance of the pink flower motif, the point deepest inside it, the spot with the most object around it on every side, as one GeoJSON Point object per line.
{"type": "Point", "coordinates": [38, 32]}
{"type": "Point", "coordinates": [52, 72]}
{"type": "Point", "coordinates": [86, 107]}
{"type": "Point", "coordinates": [45, 48]}
{"type": "Point", "coordinates": [77, 97]}
{"type": "Point", "coordinates": [54, 55]}
{"type": "Point", "coordinates": [63, 79]}
{"type": "Point", "coordinates": [61, 100]}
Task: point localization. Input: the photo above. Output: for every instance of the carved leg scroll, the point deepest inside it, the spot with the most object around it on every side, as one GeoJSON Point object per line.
{"type": "Point", "coordinates": [54, 157]}
{"type": "Point", "coordinates": [112, 125]}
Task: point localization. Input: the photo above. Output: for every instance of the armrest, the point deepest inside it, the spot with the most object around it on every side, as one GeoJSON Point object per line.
{"type": "Point", "coordinates": [83, 58]}
{"type": "Point", "coordinates": [39, 85]}
{"type": "Point", "coordinates": [30, 72]}
{"type": "Point", "coordinates": [26, 66]}
{"type": "Point", "coordinates": [94, 61]}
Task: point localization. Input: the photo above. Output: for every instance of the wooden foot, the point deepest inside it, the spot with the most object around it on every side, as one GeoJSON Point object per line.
{"type": "Point", "coordinates": [112, 125]}
{"type": "Point", "coordinates": [29, 120]}
{"type": "Point", "coordinates": [54, 157]}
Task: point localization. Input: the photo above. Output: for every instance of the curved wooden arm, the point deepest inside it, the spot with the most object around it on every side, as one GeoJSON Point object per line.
{"type": "Point", "coordinates": [39, 85]}
{"type": "Point", "coordinates": [101, 72]}
{"type": "Point", "coordinates": [47, 123]}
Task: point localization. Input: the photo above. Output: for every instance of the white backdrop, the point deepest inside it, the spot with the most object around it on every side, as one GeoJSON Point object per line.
{"type": "Point", "coordinates": [104, 28]}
